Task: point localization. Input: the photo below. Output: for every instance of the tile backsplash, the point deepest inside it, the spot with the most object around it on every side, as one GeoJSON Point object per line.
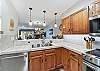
{"type": "Point", "coordinates": [79, 39]}
{"type": "Point", "coordinates": [6, 41]}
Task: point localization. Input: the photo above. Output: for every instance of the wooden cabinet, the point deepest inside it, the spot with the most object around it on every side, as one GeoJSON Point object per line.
{"type": "Point", "coordinates": [74, 64]}
{"type": "Point", "coordinates": [75, 61]}
{"type": "Point", "coordinates": [80, 22]}
{"type": "Point", "coordinates": [66, 59]}
{"type": "Point", "coordinates": [66, 25]}
{"type": "Point", "coordinates": [77, 23]}
{"type": "Point", "coordinates": [72, 61]}
{"type": "Point", "coordinates": [36, 61]}
{"type": "Point", "coordinates": [42, 60]}
{"type": "Point", "coordinates": [85, 22]}
{"type": "Point", "coordinates": [49, 60]}
{"type": "Point", "coordinates": [59, 55]}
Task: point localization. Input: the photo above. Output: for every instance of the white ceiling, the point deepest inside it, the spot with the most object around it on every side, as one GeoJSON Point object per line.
{"type": "Point", "coordinates": [51, 6]}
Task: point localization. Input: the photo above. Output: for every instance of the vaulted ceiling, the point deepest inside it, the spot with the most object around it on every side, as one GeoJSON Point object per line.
{"type": "Point", "coordinates": [51, 6]}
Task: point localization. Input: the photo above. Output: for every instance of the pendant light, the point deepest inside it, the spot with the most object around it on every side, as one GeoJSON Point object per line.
{"type": "Point", "coordinates": [55, 25]}
{"type": "Point", "coordinates": [44, 23]}
{"type": "Point", "coordinates": [30, 21]}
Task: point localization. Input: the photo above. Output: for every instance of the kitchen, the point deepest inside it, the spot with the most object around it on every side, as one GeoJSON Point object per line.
{"type": "Point", "coordinates": [49, 35]}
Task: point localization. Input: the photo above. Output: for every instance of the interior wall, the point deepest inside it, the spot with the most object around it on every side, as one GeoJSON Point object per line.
{"type": "Point", "coordinates": [0, 6]}
{"type": "Point", "coordinates": [8, 12]}
{"type": "Point", "coordinates": [56, 30]}
{"type": "Point", "coordinates": [76, 7]}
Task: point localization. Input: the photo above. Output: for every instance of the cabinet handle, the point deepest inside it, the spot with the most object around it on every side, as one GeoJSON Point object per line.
{"type": "Point", "coordinates": [45, 60]}
{"type": "Point", "coordinates": [69, 30]}
{"type": "Point", "coordinates": [29, 61]}
{"type": "Point", "coordinates": [42, 60]}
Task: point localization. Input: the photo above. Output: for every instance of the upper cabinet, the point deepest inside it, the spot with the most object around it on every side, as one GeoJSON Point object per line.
{"type": "Point", "coordinates": [77, 23]}
{"type": "Point", "coordinates": [65, 27]}
{"type": "Point", "coordinates": [94, 8]}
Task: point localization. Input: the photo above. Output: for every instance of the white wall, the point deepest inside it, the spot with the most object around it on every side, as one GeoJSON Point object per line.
{"type": "Point", "coordinates": [0, 6]}
{"type": "Point", "coordinates": [79, 5]}
{"type": "Point", "coordinates": [55, 29]}
{"type": "Point", "coordinates": [79, 39]}
{"type": "Point", "coordinates": [8, 12]}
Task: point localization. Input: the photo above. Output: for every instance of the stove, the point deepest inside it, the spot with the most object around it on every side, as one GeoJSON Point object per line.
{"type": "Point", "coordinates": [92, 56]}
{"type": "Point", "coordinates": [91, 60]}
{"type": "Point", "coordinates": [95, 52]}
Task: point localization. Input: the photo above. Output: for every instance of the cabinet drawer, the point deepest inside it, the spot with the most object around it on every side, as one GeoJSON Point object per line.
{"type": "Point", "coordinates": [36, 53]}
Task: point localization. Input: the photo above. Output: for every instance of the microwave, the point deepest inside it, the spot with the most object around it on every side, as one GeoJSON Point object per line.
{"type": "Point", "coordinates": [94, 26]}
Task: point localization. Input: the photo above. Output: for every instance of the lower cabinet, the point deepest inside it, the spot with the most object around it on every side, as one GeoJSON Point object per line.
{"type": "Point", "coordinates": [42, 60]}
{"type": "Point", "coordinates": [66, 59]}
{"type": "Point", "coordinates": [74, 62]}
{"type": "Point", "coordinates": [48, 60]}
{"type": "Point", "coordinates": [36, 61]}
{"type": "Point", "coordinates": [59, 57]}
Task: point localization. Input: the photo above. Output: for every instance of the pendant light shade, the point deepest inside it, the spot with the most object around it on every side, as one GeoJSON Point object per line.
{"type": "Point", "coordinates": [55, 25]}
{"type": "Point", "coordinates": [44, 23]}
{"type": "Point", "coordinates": [30, 21]}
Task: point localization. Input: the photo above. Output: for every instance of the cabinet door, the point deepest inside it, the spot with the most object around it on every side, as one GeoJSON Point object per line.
{"type": "Point", "coordinates": [36, 61]}
{"type": "Point", "coordinates": [49, 60]}
{"type": "Point", "coordinates": [74, 64]}
{"type": "Point", "coordinates": [75, 61]}
{"type": "Point", "coordinates": [85, 22]}
{"type": "Point", "coordinates": [79, 23]}
{"type": "Point", "coordinates": [66, 25]}
{"type": "Point", "coordinates": [76, 23]}
{"type": "Point", "coordinates": [66, 59]}
{"type": "Point", "coordinates": [59, 53]}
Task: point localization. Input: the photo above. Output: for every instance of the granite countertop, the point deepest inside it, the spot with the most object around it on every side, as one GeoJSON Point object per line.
{"type": "Point", "coordinates": [27, 48]}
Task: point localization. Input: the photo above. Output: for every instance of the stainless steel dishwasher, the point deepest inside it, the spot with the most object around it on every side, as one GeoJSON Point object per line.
{"type": "Point", "coordinates": [14, 62]}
